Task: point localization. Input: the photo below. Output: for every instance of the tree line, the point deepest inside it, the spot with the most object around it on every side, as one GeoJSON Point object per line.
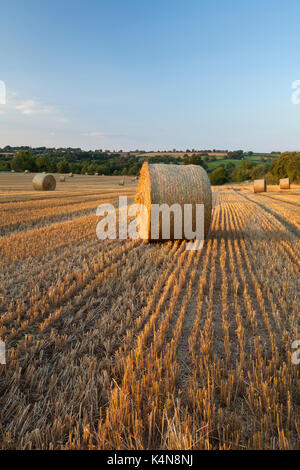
{"type": "Point", "coordinates": [78, 161]}
{"type": "Point", "coordinates": [286, 165]}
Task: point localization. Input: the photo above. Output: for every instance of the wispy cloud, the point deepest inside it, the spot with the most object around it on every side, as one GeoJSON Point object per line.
{"type": "Point", "coordinates": [102, 134]}
{"type": "Point", "coordinates": [34, 107]}
{"type": "Point", "coordinates": [30, 107]}
{"type": "Point", "coordinates": [94, 134]}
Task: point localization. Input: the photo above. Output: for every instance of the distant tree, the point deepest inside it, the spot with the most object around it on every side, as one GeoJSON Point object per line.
{"type": "Point", "coordinates": [4, 166]}
{"type": "Point", "coordinates": [229, 167]}
{"type": "Point", "coordinates": [134, 169]}
{"type": "Point", "coordinates": [271, 179]}
{"type": "Point", "coordinates": [293, 169]}
{"type": "Point", "coordinates": [194, 159]}
{"type": "Point", "coordinates": [259, 171]}
{"type": "Point", "coordinates": [91, 169]}
{"type": "Point", "coordinates": [22, 161]}
{"type": "Point", "coordinates": [84, 169]}
{"type": "Point", "coordinates": [287, 165]}
{"type": "Point", "coordinates": [243, 171]}
{"type": "Point", "coordinates": [75, 167]}
{"type": "Point", "coordinates": [235, 155]}
{"type": "Point", "coordinates": [218, 176]}
{"type": "Point", "coordinates": [17, 163]}
{"type": "Point", "coordinates": [63, 167]}
{"type": "Point", "coordinates": [186, 159]}
{"type": "Point", "coordinates": [52, 168]}
{"type": "Point", "coordinates": [43, 163]}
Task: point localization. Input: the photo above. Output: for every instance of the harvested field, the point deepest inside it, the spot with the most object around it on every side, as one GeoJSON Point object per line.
{"type": "Point", "coordinates": [121, 344]}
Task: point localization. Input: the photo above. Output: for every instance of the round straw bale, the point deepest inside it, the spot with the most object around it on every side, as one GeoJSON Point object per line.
{"type": "Point", "coordinates": [259, 186]}
{"type": "Point", "coordinates": [44, 182]}
{"type": "Point", "coordinates": [170, 184]}
{"type": "Point", "coordinates": [71, 175]}
{"type": "Point", "coordinates": [62, 178]}
{"type": "Point", "coordinates": [26, 171]}
{"type": "Point", "coordinates": [121, 183]}
{"type": "Point", "coordinates": [284, 183]}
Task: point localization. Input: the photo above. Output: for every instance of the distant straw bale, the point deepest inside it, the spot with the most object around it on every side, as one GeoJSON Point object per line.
{"type": "Point", "coordinates": [44, 182]}
{"type": "Point", "coordinates": [284, 183]}
{"type": "Point", "coordinates": [259, 186]}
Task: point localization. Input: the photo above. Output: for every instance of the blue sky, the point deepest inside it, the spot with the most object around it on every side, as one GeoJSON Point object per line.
{"type": "Point", "coordinates": [156, 74]}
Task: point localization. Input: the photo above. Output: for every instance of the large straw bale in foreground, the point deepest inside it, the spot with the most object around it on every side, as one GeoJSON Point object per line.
{"type": "Point", "coordinates": [284, 183]}
{"type": "Point", "coordinates": [44, 182]}
{"type": "Point", "coordinates": [260, 186]}
{"type": "Point", "coordinates": [171, 184]}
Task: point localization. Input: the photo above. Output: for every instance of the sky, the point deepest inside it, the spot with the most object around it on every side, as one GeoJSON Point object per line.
{"type": "Point", "coordinates": [151, 75]}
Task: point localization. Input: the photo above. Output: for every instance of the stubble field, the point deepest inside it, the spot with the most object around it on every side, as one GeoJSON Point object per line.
{"type": "Point", "coordinates": [120, 344]}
